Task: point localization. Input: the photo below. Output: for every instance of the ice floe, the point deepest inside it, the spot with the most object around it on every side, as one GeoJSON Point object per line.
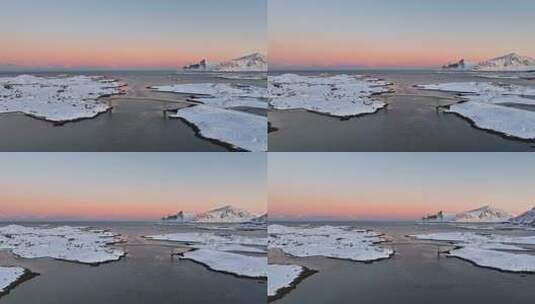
{"type": "Point", "coordinates": [237, 264]}
{"type": "Point", "coordinates": [488, 106]}
{"type": "Point", "coordinates": [74, 244]}
{"type": "Point", "coordinates": [238, 129]}
{"type": "Point", "coordinates": [329, 241]}
{"type": "Point", "coordinates": [216, 118]}
{"type": "Point", "coordinates": [56, 99]}
{"type": "Point", "coordinates": [489, 250]}
{"type": "Point", "coordinates": [9, 276]}
{"type": "Point", "coordinates": [339, 95]}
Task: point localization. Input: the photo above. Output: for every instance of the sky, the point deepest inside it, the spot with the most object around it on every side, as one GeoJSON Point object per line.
{"type": "Point", "coordinates": [129, 34]}
{"type": "Point", "coordinates": [394, 33]}
{"type": "Point", "coordinates": [128, 186]}
{"type": "Point", "coordinates": [396, 186]}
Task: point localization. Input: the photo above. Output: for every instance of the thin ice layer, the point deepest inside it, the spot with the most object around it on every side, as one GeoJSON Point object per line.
{"type": "Point", "coordinates": [340, 95]}
{"type": "Point", "coordinates": [215, 241]}
{"type": "Point", "coordinates": [221, 95]}
{"type": "Point", "coordinates": [238, 264]}
{"type": "Point", "coordinates": [241, 130]}
{"type": "Point", "coordinates": [329, 241]}
{"type": "Point", "coordinates": [75, 244]}
{"type": "Point", "coordinates": [57, 99]}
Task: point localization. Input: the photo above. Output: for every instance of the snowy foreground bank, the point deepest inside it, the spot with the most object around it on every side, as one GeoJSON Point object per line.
{"type": "Point", "coordinates": [216, 117]}
{"type": "Point", "coordinates": [73, 244]}
{"type": "Point", "coordinates": [340, 95]}
{"type": "Point", "coordinates": [284, 278]}
{"type": "Point", "coordinates": [329, 241]}
{"type": "Point", "coordinates": [488, 106]}
{"type": "Point", "coordinates": [489, 250]}
{"type": "Point", "coordinates": [56, 99]}
{"type": "Point", "coordinates": [222, 252]}
{"type": "Point", "coordinates": [10, 276]}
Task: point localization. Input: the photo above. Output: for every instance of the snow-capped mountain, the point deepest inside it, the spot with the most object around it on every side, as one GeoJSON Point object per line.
{"type": "Point", "coordinates": [485, 214]}
{"type": "Point", "coordinates": [526, 218]}
{"type": "Point", "coordinates": [181, 217]}
{"type": "Point", "coordinates": [440, 216]}
{"type": "Point", "coordinates": [509, 62]}
{"type": "Point", "coordinates": [226, 214]}
{"type": "Point", "coordinates": [460, 65]}
{"type": "Point", "coordinates": [250, 63]}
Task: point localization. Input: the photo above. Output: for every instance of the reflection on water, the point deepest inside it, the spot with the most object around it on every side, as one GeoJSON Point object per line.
{"type": "Point", "coordinates": [409, 123]}
{"type": "Point", "coordinates": [147, 275]}
{"type": "Point", "coordinates": [415, 274]}
{"type": "Point", "coordinates": [136, 123]}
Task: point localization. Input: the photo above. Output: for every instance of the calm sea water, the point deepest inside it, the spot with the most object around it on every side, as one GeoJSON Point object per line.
{"type": "Point", "coordinates": [136, 123]}
{"type": "Point", "coordinates": [147, 275]}
{"type": "Point", "coordinates": [415, 274]}
{"type": "Point", "coordinates": [410, 123]}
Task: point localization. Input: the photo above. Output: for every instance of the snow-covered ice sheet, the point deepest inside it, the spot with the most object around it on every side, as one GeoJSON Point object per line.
{"type": "Point", "coordinates": [75, 244]}
{"type": "Point", "coordinates": [489, 250]}
{"type": "Point", "coordinates": [502, 260]}
{"type": "Point", "coordinates": [10, 275]}
{"type": "Point", "coordinates": [238, 264]}
{"type": "Point", "coordinates": [282, 276]}
{"type": "Point", "coordinates": [339, 95]}
{"type": "Point", "coordinates": [487, 105]}
{"type": "Point", "coordinates": [329, 241]}
{"type": "Point", "coordinates": [241, 130]}
{"type": "Point", "coordinates": [56, 99]}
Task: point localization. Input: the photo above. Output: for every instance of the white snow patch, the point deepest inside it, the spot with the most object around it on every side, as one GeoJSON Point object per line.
{"type": "Point", "coordinates": [487, 249]}
{"type": "Point", "coordinates": [57, 99]}
{"type": "Point", "coordinates": [242, 265]}
{"type": "Point", "coordinates": [486, 106]}
{"type": "Point", "coordinates": [282, 276]}
{"type": "Point", "coordinates": [339, 95]}
{"type": "Point", "coordinates": [241, 130]}
{"type": "Point", "coordinates": [9, 275]}
{"type": "Point", "coordinates": [328, 241]}
{"type": "Point", "coordinates": [76, 244]}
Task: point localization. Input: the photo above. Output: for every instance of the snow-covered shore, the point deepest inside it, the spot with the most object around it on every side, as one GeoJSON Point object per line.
{"type": "Point", "coordinates": [488, 250]}
{"type": "Point", "coordinates": [215, 117]}
{"type": "Point", "coordinates": [329, 241]}
{"type": "Point", "coordinates": [339, 95]}
{"type": "Point", "coordinates": [73, 244]}
{"type": "Point", "coordinates": [487, 106]}
{"type": "Point", "coordinates": [283, 278]}
{"type": "Point", "coordinates": [56, 99]}
{"type": "Point", "coordinates": [9, 276]}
